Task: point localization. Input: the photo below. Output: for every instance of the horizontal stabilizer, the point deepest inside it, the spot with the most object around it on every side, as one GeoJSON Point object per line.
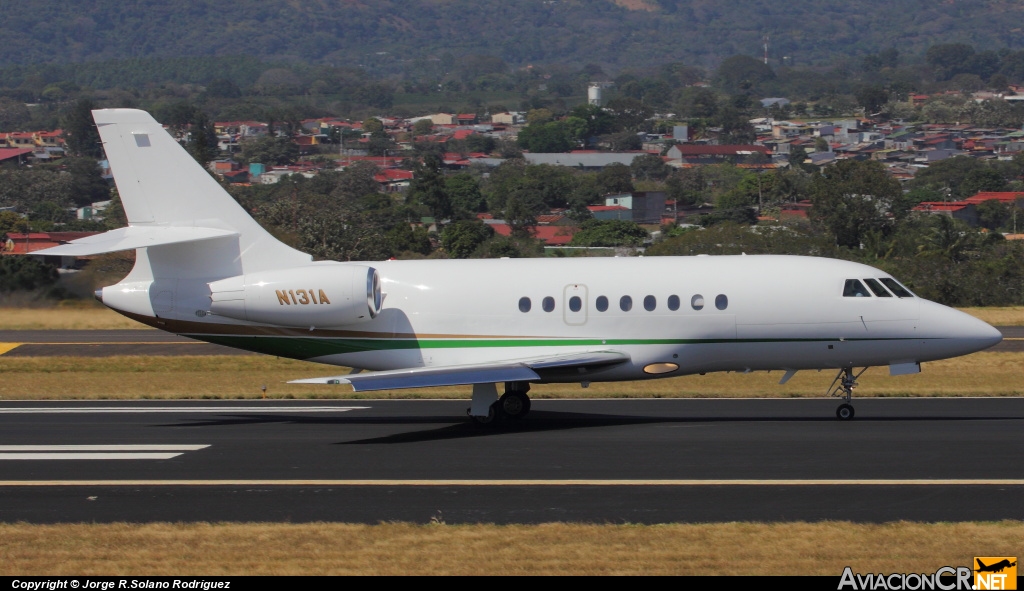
{"type": "Point", "coordinates": [461, 375]}
{"type": "Point", "coordinates": [134, 237]}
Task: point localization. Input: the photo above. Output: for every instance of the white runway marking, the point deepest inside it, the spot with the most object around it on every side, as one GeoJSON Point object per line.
{"type": "Point", "coordinates": [173, 409]}
{"type": "Point", "coordinates": [96, 452]}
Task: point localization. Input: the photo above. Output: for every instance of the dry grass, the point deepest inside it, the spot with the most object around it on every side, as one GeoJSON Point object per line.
{"type": "Point", "coordinates": [53, 378]}
{"type": "Point", "coordinates": [563, 549]}
{"type": "Point", "coordinates": [93, 316]}
{"type": "Point", "coordinates": [1009, 316]}
{"type": "Point", "coordinates": [80, 316]}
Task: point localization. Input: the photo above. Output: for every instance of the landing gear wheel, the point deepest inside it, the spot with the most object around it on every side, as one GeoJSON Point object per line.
{"type": "Point", "coordinates": [514, 405]}
{"type": "Point", "coordinates": [492, 415]}
{"type": "Point", "coordinates": [844, 412]}
{"type": "Point", "coordinates": [847, 381]}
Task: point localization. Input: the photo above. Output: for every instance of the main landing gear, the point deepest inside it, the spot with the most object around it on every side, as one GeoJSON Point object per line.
{"type": "Point", "coordinates": [842, 387]}
{"type": "Point", "coordinates": [513, 404]}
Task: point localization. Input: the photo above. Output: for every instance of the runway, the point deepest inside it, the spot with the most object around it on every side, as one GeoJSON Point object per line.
{"type": "Point", "coordinates": [107, 343]}
{"type": "Point", "coordinates": [614, 461]}
{"type": "Point", "coordinates": [104, 343]}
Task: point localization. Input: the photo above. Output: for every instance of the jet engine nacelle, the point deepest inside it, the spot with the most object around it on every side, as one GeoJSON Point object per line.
{"type": "Point", "coordinates": [321, 296]}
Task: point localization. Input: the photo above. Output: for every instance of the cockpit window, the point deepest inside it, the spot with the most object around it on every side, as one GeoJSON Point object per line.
{"type": "Point", "coordinates": [855, 289]}
{"type": "Point", "coordinates": [899, 290]}
{"type": "Point", "coordinates": [877, 288]}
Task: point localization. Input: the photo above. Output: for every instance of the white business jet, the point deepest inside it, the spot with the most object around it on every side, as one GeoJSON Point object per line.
{"type": "Point", "coordinates": [206, 270]}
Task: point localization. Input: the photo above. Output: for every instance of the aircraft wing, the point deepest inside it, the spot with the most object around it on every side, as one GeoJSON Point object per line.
{"type": "Point", "coordinates": [523, 370]}
{"type": "Point", "coordinates": [134, 237]}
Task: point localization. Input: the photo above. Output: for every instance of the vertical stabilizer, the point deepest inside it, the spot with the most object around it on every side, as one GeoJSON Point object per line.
{"type": "Point", "coordinates": [161, 185]}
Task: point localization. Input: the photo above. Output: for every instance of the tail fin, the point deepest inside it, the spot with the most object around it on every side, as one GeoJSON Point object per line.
{"type": "Point", "coordinates": [175, 208]}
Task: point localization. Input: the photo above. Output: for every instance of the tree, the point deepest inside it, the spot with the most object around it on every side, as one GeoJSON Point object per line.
{"type": "Point", "coordinates": [223, 88]}
{"type": "Point", "coordinates": [950, 176]}
{"type": "Point", "coordinates": [598, 121]}
{"type": "Point", "coordinates": [546, 137]}
{"type": "Point", "coordinates": [381, 145]}
{"type": "Point", "coordinates": [12, 222]}
{"type": "Point", "coordinates": [797, 156]}
{"type": "Point", "coordinates": [461, 238]}
{"type": "Point", "coordinates": [428, 188]}
{"type": "Point", "coordinates": [949, 59]}
{"type": "Point", "coordinates": [615, 178]}
{"type": "Point", "coordinates": [609, 233]}
{"type": "Point", "coordinates": [982, 179]}
{"type": "Point", "coordinates": [80, 133]}
{"type": "Point", "coordinates": [650, 167]}
{"type": "Point", "coordinates": [405, 238]}
{"type": "Point", "coordinates": [850, 199]}
{"type": "Point", "coordinates": [735, 124]}
{"type": "Point", "coordinates": [697, 101]}
{"type": "Point", "coordinates": [423, 127]}
{"type": "Point", "coordinates": [629, 113]}
{"type": "Point", "coordinates": [539, 116]}
{"type": "Point", "coordinates": [87, 184]}
{"type": "Point", "coordinates": [20, 273]}
{"type": "Point", "coordinates": [270, 150]}
{"type": "Point", "coordinates": [520, 213]}
{"type": "Point", "coordinates": [624, 141]}
{"type": "Point", "coordinates": [465, 195]}
{"type": "Point", "coordinates": [202, 139]}
{"type": "Point", "coordinates": [741, 74]}
{"type": "Point", "coordinates": [13, 114]}
{"type": "Point", "coordinates": [994, 215]}
{"type": "Point", "coordinates": [373, 125]}
{"type": "Point", "coordinates": [872, 98]}
{"type": "Point", "coordinates": [479, 142]}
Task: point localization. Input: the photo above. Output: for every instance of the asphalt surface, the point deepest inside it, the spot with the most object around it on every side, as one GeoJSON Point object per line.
{"type": "Point", "coordinates": [603, 461]}
{"type": "Point", "coordinates": [107, 343]}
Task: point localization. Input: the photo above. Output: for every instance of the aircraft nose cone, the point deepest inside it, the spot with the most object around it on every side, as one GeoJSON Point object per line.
{"type": "Point", "coordinates": [974, 333]}
{"type": "Point", "coordinates": [988, 335]}
{"type": "Point", "coordinates": [951, 333]}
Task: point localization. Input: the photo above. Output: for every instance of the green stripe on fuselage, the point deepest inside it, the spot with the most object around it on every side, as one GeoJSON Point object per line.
{"type": "Point", "coordinates": [310, 347]}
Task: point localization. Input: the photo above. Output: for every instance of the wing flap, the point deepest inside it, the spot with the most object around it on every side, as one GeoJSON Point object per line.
{"type": "Point", "coordinates": [134, 237]}
{"type": "Point", "coordinates": [462, 375]}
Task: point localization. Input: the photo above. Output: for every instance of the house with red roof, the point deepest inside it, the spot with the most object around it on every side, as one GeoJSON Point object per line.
{"type": "Point", "coordinates": [18, 244]}
{"type": "Point", "coordinates": [549, 235]}
{"type": "Point", "coordinates": [961, 210]}
{"type": "Point", "coordinates": [1014, 198]}
{"type": "Point", "coordinates": [709, 154]}
{"type": "Point", "coordinates": [16, 155]}
{"type": "Point", "coordinates": [393, 180]}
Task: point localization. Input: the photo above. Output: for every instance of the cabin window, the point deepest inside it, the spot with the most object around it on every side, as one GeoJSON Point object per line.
{"type": "Point", "coordinates": [721, 301]}
{"type": "Point", "coordinates": [650, 303]}
{"type": "Point", "coordinates": [575, 303]}
{"type": "Point", "coordinates": [625, 303]}
{"type": "Point", "coordinates": [899, 290]}
{"type": "Point", "coordinates": [697, 302]}
{"type": "Point", "coordinates": [548, 304]}
{"type": "Point", "coordinates": [601, 304]}
{"type": "Point", "coordinates": [855, 289]}
{"type": "Point", "coordinates": [877, 289]}
{"type": "Point", "coordinates": [524, 304]}
{"type": "Point", "coordinates": [673, 302]}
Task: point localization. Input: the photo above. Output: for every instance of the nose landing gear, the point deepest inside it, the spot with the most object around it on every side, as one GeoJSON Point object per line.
{"type": "Point", "coordinates": [842, 387]}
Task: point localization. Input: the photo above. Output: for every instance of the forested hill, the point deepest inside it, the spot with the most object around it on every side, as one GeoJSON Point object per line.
{"type": "Point", "coordinates": [386, 34]}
